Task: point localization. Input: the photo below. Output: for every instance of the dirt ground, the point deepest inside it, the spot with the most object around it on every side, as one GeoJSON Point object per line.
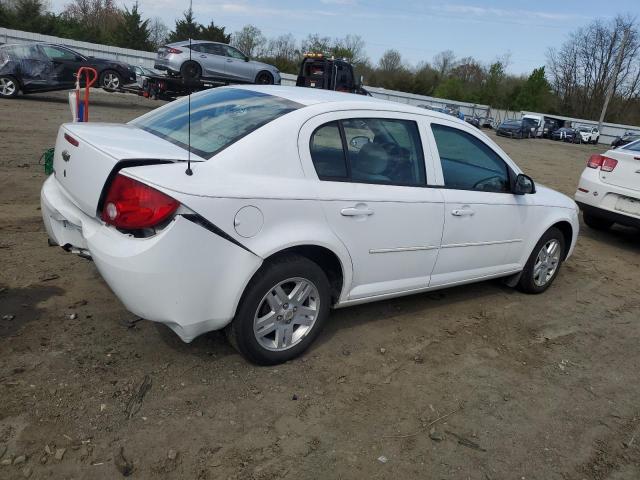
{"type": "Point", "coordinates": [479, 382]}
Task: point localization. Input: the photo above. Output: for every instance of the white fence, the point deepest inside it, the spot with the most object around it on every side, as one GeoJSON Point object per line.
{"type": "Point", "coordinates": [146, 59]}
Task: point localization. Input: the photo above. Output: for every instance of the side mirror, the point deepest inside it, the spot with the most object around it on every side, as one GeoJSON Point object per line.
{"type": "Point", "coordinates": [524, 185]}
{"type": "Point", "coordinates": [246, 59]}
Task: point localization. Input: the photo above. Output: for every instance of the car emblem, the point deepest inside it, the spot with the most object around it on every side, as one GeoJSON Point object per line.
{"type": "Point", "coordinates": [66, 155]}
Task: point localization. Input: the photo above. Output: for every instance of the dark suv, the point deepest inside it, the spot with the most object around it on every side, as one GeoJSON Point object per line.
{"type": "Point", "coordinates": [43, 67]}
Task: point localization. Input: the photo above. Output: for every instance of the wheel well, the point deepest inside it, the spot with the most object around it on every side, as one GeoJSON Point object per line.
{"type": "Point", "coordinates": [567, 233]}
{"type": "Point", "coordinates": [325, 259]}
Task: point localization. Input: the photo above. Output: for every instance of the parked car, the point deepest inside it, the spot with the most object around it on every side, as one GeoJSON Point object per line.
{"type": "Point", "coordinates": [532, 127]}
{"type": "Point", "coordinates": [475, 121]}
{"type": "Point", "coordinates": [625, 139]}
{"type": "Point", "coordinates": [609, 188]}
{"type": "Point", "coordinates": [566, 134]}
{"type": "Point", "coordinates": [514, 128]}
{"type": "Point", "coordinates": [144, 72]}
{"type": "Point", "coordinates": [213, 61]}
{"type": "Point", "coordinates": [549, 127]}
{"type": "Point", "coordinates": [588, 134]}
{"type": "Point", "coordinates": [43, 67]}
{"type": "Point", "coordinates": [299, 200]}
{"type": "Point", "coordinates": [487, 122]}
{"type": "Point", "coordinates": [536, 122]}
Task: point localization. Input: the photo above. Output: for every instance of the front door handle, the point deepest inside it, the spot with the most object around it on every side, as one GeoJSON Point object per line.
{"type": "Point", "coordinates": [229, 60]}
{"type": "Point", "coordinates": [462, 212]}
{"type": "Point", "coordinates": [355, 211]}
{"type": "Point", "coordinates": [203, 56]}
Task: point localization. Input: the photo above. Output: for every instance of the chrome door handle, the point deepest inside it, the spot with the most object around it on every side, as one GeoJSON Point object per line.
{"type": "Point", "coordinates": [462, 212]}
{"type": "Point", "coordinates": [354, 212]}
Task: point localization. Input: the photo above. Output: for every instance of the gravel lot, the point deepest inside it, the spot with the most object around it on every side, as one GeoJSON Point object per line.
{"type": "Point", "coordinates": [479, 382]}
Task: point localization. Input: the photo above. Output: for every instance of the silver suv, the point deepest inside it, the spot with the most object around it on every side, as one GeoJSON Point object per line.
{"type": "Point", "coordinates": [216, 61]}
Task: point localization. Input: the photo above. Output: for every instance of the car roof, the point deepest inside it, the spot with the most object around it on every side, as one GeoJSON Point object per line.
{"type": "Point", "coordinates": [314, 96]}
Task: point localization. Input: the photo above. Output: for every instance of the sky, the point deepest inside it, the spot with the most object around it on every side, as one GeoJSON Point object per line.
{"type": "Point", "coordinates": [485, 30]}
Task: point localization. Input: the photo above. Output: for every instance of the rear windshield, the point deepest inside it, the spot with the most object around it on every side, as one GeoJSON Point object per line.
{"type": "Point", "coordinates": [634, 146]}
{"type": "Point", "coordinates": [219, 117]}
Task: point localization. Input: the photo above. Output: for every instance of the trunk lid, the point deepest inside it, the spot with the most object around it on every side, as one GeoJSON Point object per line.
{"type": "Point", "coordinates": [83, 169]}
{"type": "Point", "coordinates": [627, 171]}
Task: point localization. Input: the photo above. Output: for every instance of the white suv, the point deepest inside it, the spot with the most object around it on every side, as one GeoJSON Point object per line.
{"type": "Point", "coordinates": [588, 134]}
{"type": "Point", "coordinates": [609, 188]}
{"type": "Point", "coordinates": [299, 200]}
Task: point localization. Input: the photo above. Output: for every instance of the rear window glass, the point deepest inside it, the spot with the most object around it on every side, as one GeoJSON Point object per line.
{"type": "Point", "coordinates": [219, 117]}
{"type": "Point", "coordinates": [634, 146]}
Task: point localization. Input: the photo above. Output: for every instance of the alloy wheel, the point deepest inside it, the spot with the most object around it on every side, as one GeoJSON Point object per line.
{"type": "Point", "coordinates": [111, 81]}
{"type": "Point", "coordinates": [7, 87]}
{"type": "Point", "coordinates": [286, 314]}
{"type": "Point", "coordinates": [547, 262]}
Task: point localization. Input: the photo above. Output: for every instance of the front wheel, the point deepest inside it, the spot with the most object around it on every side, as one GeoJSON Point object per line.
{"type": "Point", "coordinates": [282, 311]}
{"type": "Point", "coordinates": [544, 262]}
{"type": "Point", "coordinates": [8, 87]}
{"type": "Point", "coordinates": [264, 78]}
{"type": "Point", "coordinates": [110, 80]}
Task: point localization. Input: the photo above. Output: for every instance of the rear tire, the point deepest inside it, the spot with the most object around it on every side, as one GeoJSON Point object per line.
{"type": "Point", "coordinates": [595, 222]}
{"type": "Point", "coordinates": [9, 86]}
{"type": "Point", "coordinates": [270, 304]}
{"type": "Point", "coordinates": [191, 71]}
{"type": "Point", "coordinates": [264, 78]}
{"type": "Point", "coordinates": [544, 263]}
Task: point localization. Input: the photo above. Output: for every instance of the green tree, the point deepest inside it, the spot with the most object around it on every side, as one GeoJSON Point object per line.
{"type": "Point", "coordinates": [186, 28]}
{"type": "Point", "coordinates": [133, 32]}
{"type": "Point", "coordinates": [535, 93]}
{"type": "Point", "coordinates": [213, 33]}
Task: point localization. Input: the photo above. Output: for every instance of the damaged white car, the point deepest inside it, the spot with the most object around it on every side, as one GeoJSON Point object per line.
{"type": "Point", "coordinates": [296, 201]}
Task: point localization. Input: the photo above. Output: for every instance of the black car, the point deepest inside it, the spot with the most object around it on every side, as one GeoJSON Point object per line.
{"type": "Point", "coordinates": [42, 67]}
{"type": "Point", "coordinates": [514, 129]}
{"type": "Point", "coordinates": [475, 121]}
{"type": "Point", "coordinates": [549, 127]}
{"type": "Point", "coordinates": [567, 134]}
{"type": "Point", "coordinates": [628, 137]}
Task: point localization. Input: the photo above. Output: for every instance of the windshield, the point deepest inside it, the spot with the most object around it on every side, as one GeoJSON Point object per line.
{"type": "Point", "coordinates": [219, 117]}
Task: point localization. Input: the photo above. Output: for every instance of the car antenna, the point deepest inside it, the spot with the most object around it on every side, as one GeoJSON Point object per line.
{"type": "Point", "coordinates": [189, 172]}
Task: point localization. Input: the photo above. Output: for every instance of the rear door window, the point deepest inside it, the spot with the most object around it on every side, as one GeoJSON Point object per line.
{"type": "Point", "coordinates": [377, 150]}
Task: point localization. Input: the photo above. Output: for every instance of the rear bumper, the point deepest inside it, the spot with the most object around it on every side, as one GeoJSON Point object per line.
{"type": "Point", "coordinates": [185, 276]}
{"type": "Point", "coordinates": [600, 199]}
{"type": "Point", "coordinates": [615, 217]}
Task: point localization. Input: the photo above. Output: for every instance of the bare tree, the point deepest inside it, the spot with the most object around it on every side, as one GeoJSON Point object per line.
{"type": "Point", "coordinates": [249, 40]}
{"type": "Point", "coordinates": [351, 47]}
{"type": "Point", "coordinates": [158, 33]}
{"type": "Point", "coordinates": [283, 47]}
{"type": "Point", "coordinates": [316, 43]}
{"type": "Point", "coordinates": [391, 61]}
{"type": "Point", "coordinates": [594, 58]}
{"type": "Point", "coordinates": [444, 62]}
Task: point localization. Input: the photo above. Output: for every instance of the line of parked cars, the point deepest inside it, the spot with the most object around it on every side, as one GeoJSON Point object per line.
{"type": "Point", "coordinates": [43, 67]}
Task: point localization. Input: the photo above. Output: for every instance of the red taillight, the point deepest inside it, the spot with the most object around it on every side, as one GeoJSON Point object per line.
{"type": "Point", "coordinates": [605, 164]}
{"type": "Point", "coordinates": [173, 50]}
{"type": "Point", "coordinates": [71, 140]}
{"type": "Point", "coordinates": [608, 164]}
{"type": "Point", "coordinates": [132, 205]}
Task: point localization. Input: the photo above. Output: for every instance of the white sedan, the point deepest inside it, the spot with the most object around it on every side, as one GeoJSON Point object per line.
{"type": "Point", "coordinates": [609, 188]}
{"type": "Point", "coordinates": [299, 201]}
